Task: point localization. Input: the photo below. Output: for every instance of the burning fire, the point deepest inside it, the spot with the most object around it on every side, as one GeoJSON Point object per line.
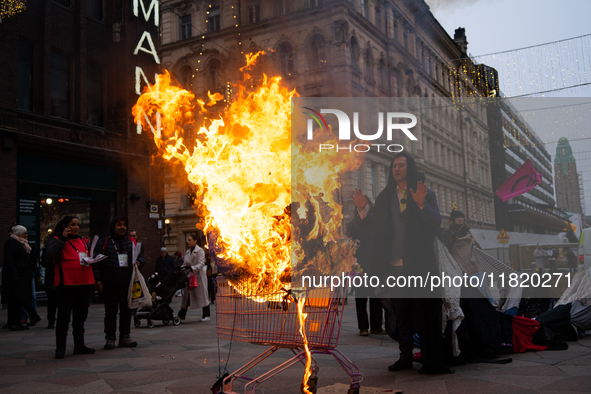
{"type": "Point", "coordinates": [261, 219]}
{"type": "Point", "coordinates": [240, 162]}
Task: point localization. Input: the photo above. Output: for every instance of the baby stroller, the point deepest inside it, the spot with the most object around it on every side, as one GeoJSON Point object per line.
{"type": "Point", "coordinates": [164, 291]}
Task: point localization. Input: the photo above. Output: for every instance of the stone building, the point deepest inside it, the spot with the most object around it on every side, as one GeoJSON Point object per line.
{"type": "Point", "coordinates": [568, 191]}
{"type": "Point", "coordinates": [345, 48]}
{"type": "Point", "coordinates": [68, 143]}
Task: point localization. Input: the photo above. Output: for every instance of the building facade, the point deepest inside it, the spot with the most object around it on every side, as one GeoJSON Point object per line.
{"type": "Point", "coordinates": [568, 183]}
{"type": "Point", "coordinates": [69, 145]}
{"type": "Point", "coordinates": [343, 48]}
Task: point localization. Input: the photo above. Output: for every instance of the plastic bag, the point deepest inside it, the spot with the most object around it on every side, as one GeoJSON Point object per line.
{"type": "Point", "coordinates": [138, 295]}
{"type": "Point", "coordinates": [193, 282]}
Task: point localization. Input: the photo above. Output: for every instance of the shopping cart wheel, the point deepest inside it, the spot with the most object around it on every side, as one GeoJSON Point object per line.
{"type": "Point", "coordinates": [150, 324]}
{"type": "Point", "coordinates": [165, 321]}
{"type": "Point", "coordinates": [137, 323]}
{"type": "Point", "coordinates": [311, 385]}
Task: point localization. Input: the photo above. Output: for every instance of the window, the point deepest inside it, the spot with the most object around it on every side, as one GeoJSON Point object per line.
{"type": "Point", "coordinates": [60, 85]}
{"type": "Point", "coordinates": [286, 59]}
{"type": "Point", "coordinates": [314, 3]}
{"type": "Point", "coordinates": [379, 18]}
{"type": "Point", "coordinates": [65, 3]}
{"type": "Point", "coordinates": [374, 179]}
{"type": "Point", "coordinates": [254, 13]}
{"type": "Point", "coordinates": [365, 8]}
{"type": "Point", "coordinates": [94, 95]}
{"type": "Point", "coordinates": [383, 70]}
{"type": "Point", "coordinates": [282, 7]}
{"type": "Point", "coordinates": [185, 27]}
{"type": "Point", "coordinates": [405, 40]}
{"type": "Point", "coordinates": [317, 52]}
{"type": "Point", "coordinates": [187, 78]}
{"type": "Point", "coordinates": [354, 53]}
{"type": "Point", "coordinates": [25, 75]}
{"type": "Point", "coordinates": [213, 19]}
{"type": "Point", "coordinates": [215, 75]}
{"type": "Point", "coordinates": [95, 9]}
{"type": "Point", "coordinates": [369, 64]}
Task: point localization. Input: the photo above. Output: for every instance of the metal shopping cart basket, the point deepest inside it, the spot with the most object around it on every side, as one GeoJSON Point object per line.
{"type": "Point", "coordinates": [276, 324]}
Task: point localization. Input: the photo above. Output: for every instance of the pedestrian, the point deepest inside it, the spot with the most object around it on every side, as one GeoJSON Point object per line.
{"type": "Point", "coordinates": [35, 280]}
{"type": "Point", "coordinates": [164, 264]}
{"type": "Point", "coordinates": [133, 234]}
{"type": "Point", "coordinates": [372, 325]}
{"type": "Point", "coordinates": [113, 276]}
{"type": "Point", "coordinates": [552, 257]}
{"type": "Point", "coordinates": [403, 225]}
{"type": "Point", "coordinates": [572, 261]}
{"type": "Point", "coordinates": [539, 256]}
{"type": "Point", "coordinates": [198, 297]}
{"type": "Point", "coordinates": [74, 280]}
{"type": "Point", "coordinates": [460, 241]}
{"type": "Point", "coordinates": [48, 283]}
{"type": "Point", "coordinates": [179, 259]}
{"type": "Point", "coordinates": [17, 273]}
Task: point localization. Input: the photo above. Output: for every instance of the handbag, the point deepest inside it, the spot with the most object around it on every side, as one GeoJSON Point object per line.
{"type": "Point", "coordinates": [193, 282]}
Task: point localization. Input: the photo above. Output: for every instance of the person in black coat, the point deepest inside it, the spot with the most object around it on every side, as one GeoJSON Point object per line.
{"type": "Point", "coordinates": [48, 283]}
{"type": "Point", "coordinates": [164, 264]}
{"type": "Point", "coordinates": [17, 274]}
{"type": "Point", "coordinates": [403, 226]}
{"type": "Point", "coordinates": [112, 277]}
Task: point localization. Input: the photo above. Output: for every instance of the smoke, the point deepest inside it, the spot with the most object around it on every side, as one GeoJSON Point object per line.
{"type": "Point", "coordinates": [446, 5]}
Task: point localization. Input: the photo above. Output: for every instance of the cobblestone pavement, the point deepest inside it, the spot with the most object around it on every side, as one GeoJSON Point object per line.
{"type": "Point", "coordinates": [184, 359]}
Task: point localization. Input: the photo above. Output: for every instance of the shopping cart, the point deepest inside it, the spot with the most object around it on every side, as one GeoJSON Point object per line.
{"type": "Point", "coordinates": [276, 324]}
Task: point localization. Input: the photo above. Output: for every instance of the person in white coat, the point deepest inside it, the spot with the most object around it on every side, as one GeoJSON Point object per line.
{"type": "Point", "coordinates": [197, 297]}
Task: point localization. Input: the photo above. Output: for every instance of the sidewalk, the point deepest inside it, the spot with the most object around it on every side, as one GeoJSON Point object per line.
{"type": "Point", "coordinates": [184, 359]}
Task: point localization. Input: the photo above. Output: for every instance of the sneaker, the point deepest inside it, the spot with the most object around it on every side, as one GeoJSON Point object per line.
{"type": "Point", "coordinates": [378, 332]}
{"type": "Point", "coordinates": [126, 341]}
{"type": "Point", "coordinates": [363, 333]}
{"type": "Point", "coordinates": [205, 318]}
{"type": "Point", "coordinates": [110, 344]}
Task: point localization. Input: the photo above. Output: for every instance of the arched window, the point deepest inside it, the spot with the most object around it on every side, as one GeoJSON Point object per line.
{"type": "Point", "coordinates": [369, 64]}
{"type": "Point", "coordinates": [354, 53]}
{"type": "Point", "coordinates": [379, 19]}
{"type": "Point", "coordinates": [317, 54]}
{"type": "Point", "coordinates": [383, 70]}
{"type": "Point", "coordinates": [186, 77]}
{"type": "Point", "coordinates": [214, 74]}
{"type": "Point", "coordinates": [286, 59]}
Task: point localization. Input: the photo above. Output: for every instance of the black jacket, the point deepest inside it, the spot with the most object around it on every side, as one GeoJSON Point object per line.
{"type": "Point", "coordinates": [108, 270]}
{"type": "Point", "coordinates": [165, 265]}
{"type": "Point", "coordinates": [18, 269]}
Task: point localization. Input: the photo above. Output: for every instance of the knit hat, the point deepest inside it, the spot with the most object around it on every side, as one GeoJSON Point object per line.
{"type": "Point", "coordinates": [456, 214]}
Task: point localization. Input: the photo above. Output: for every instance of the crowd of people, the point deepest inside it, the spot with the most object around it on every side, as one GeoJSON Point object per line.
{"type": "Point", "coordinates": [71, 281]}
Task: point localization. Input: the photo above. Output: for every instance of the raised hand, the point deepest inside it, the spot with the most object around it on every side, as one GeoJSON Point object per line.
{"type": "Point", "coordinates": [359, 199]}
{"type": "Point", "coordinates": [420, 194]}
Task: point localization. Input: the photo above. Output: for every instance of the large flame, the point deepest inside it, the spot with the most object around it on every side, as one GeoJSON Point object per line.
{"type": "Point", "coordinates": [240, 161]}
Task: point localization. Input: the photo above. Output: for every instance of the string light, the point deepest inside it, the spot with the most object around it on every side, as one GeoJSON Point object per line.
{"type": "Point", "coordinates": [10, 8]}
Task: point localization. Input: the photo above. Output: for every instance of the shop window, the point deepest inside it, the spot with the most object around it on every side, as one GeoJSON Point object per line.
{"type": "Point", "coordinates": [213, 19]}
{"type": "Point", "coordinates": [185, 27]}
{"type": "Point", "coordinates": [25, 75]}
{"type": "Point", "coordinates": [286, 59]}
{"type": "Point", "coordinates": [60, 85]}
{"type": "Point", "coordinates": [94, 95]}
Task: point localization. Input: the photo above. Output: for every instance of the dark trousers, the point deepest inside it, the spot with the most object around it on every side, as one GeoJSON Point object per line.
{"type": "Point", "coordinates": [51, 305]}
{"type": "Point", "coordinates": [428, 313]}
{"type": "Point", "coordinates": [375, 313]}
{"type": "Point", "coordinates": [72, 301]}
{"type": "Point", "coordinates": [116, 301]}
{"type": "Point", "coordinates": [206, 312]}
{"type": "Point", "coordinates": [19, 298]}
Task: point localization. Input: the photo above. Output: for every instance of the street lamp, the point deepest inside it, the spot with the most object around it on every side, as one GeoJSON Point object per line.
{"type": "Point", "coordinates": [168, 228]}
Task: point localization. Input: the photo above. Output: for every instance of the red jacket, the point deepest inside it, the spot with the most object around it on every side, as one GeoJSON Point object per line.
{"type": "Point", "coordinates": [69, 266]}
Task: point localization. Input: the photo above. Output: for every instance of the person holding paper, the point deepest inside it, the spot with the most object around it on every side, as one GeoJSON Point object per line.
{"type": "Point", "coordinates": [73, 279]}
{"type": "Point", "coordinates": [113, 276]}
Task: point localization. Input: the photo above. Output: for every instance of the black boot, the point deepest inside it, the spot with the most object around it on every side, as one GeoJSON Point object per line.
{"type": "Point", "coordinates": [60, 345]}
{"type": "Point", "coordinates": [80, 347]}
{"type": "Point", "coordinates": [182, 313]}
